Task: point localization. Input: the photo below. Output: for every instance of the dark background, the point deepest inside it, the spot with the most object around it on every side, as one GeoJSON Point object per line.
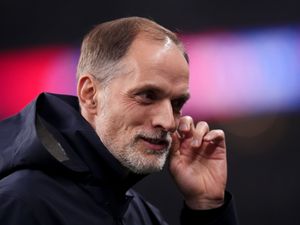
{"type": "Point", "coordinates": [263, 150]}
{"type": "Point", "coordinates": [34, 22]}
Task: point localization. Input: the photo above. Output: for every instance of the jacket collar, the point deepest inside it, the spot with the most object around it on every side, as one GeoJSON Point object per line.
{"type": "Point", "coordinates": [85, 156]}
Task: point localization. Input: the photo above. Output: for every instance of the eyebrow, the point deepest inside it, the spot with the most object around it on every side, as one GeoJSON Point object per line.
{"type": "Point", "coordinates": [184, 98]}
{"type": "Point", "coordinates": [153, 87]}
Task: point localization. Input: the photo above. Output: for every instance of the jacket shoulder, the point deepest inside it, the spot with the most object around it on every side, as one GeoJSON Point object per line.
{"type": "Point", "coordinates": [22, 184]}
{"type": "Point", "coordinates": [143, 211]}
{"type": "Point", "coordinates": [18, 196]}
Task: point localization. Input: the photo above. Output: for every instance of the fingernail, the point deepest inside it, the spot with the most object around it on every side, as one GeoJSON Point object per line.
{"type": "Point", "coordinates": [183, 126]}
{"type": "Point", "coordinates": [195, 143]}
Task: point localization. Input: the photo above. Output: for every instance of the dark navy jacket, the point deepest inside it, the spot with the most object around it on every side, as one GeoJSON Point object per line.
{"type": "Point", "coordinates": [54, 170]}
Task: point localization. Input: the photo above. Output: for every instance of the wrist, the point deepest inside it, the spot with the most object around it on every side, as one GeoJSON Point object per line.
{"type": "Point", "coordinates": [204, 203]}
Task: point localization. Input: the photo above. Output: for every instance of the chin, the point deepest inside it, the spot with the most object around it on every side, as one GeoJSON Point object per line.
{"type": "Point", "coordinates": [146, 170]}
{"type": "Point", "coordinates": [147, 164]}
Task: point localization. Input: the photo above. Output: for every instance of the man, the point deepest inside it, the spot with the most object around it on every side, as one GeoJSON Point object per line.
{"type": "Point", "coordinates": [72, 161]}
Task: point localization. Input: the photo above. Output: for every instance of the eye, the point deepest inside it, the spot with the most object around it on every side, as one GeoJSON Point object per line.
{"type": "Point", "coordinates": [177, 105]}
{"type": "Point", "coordinates": [147, 97]}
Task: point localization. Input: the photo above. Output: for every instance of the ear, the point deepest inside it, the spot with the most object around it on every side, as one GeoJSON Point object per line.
{"type": "Point", "coordinates": [87, 93]}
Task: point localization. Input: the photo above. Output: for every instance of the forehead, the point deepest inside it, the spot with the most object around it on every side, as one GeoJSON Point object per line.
{"type": "Point", "coordinates": [157, 62]}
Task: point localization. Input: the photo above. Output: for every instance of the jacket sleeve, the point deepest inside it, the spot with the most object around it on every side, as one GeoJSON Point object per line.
{"type": "Point", "coordinates": [225, 215]}
{"type": "Point", "coordinates": [14, 211]}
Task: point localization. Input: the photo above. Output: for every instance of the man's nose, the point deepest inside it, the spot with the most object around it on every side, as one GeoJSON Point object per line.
{"type": "Point", "coordinates": [163, 116]}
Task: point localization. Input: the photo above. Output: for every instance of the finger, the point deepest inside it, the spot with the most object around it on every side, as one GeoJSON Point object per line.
{"type": "Point", "coordinates": [200, 131]}
{"type": "Point", "coordinates": [186, 127]}
{"type": "Point", "coordinates": [216, 137]}
{"type": "Point", "coordinates": [175, 144]}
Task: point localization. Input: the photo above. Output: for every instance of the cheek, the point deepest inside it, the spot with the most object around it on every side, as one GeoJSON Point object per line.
{"type": "Point", "coordinates": [123, 114]}
{"type": "Point", "coordinates": [134, 114]}
{"type": "Point", "coordinates": [113, 123]}
{"type": "Point", "coordinates": [119, 120]}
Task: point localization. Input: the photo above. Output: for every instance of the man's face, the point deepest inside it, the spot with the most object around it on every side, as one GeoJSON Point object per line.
{"type": "Point", "coordinates": [142, 107]}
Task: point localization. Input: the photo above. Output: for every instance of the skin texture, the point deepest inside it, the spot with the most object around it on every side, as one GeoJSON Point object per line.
{"type": "Point", "coordinates": [138, 118]}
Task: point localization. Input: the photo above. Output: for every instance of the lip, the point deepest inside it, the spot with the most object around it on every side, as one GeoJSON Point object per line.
{"type": "Point", "coordinates": [152, 146]}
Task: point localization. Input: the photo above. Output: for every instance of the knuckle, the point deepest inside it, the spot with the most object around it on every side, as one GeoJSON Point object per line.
{"type": "Point", "coordinates": [189, 119]}
{"type": "Point", "coordinates": [203, 125]}
{"type": "Point", "coordinates": [186, 119]}
{"type": "Point", "coordinates": [220, 133]}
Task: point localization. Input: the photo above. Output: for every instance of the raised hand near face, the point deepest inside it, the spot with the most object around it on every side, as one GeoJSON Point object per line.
{"type": "Point", "coordinates": [198, 164]}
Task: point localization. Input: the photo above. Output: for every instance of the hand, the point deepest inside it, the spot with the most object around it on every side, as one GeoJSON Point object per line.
{"type": "Point", "coordinates": [198, 164]}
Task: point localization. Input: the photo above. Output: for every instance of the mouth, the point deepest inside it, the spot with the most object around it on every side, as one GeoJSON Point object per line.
{"type": "Point", "coordinates": [158, 144]}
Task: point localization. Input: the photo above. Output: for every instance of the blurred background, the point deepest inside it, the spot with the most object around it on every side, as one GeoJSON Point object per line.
{"type": "Point", "coordinates": [245, 79]}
